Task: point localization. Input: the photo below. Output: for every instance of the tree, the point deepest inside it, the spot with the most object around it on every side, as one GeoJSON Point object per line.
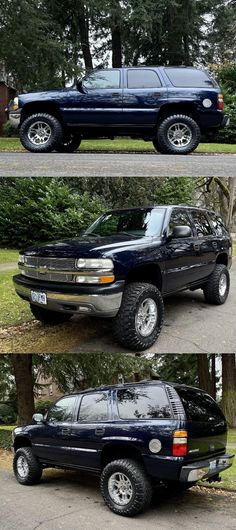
{"type": "Point", "coordinates": [229, 388]}
{"type": "Point", "coordinates": [23, 374]}
{"type": "Point", "coordinates": [220, 193]}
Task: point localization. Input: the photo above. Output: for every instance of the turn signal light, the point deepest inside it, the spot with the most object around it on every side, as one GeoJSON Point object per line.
{"type": "Point", "coordinates": [180, 443]}
{"type": "Point", "coordinates": [220, 102]}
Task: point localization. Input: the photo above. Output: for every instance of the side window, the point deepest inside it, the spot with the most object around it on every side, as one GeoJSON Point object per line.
{"type": "Point", "coordinates": [202, 224]}
{"type": "Point", "coordinates": [102, 79]}
{"type": "Point", "coordinates": [62, 410]}
{"type": "Point", "coordinates": [94, 407]}
{"type": "Point", "coordinates": [142, 78]}
{"type": "Point", "coordinates": [178, 218]}
{"type": "Point", "coordinates": [143, 403]}
{"type": "Point", "coordinates": [218, 225]}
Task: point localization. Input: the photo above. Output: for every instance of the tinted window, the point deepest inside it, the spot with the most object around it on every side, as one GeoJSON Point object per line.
{"type": "Point", "coordinates": [62, 410]}
{"type": "Point", "coordinates": [102, 79]}
{"type": "Point", "coordinates": [199, 406]}
{"type": "Point", "coordinates": [94, 407]}
{"type": "Point", "coordinates": [143, 79]}
{"type": "Point", "coordinates": [178, 218]}
{"type": "Point", "coordinates": [143, 403]}
{"type": "Point", "coordinates": [189, 77]}
{"type": "Point", "coordinates": [201, 223]}
{"type": "Point", "coordinates": [142, 222]}
{"type": "Point", "coordinates": [218, 224]}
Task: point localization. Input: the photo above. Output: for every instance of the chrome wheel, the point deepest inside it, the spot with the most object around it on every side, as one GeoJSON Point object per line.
{"type": "Point", "coordinates": [39, 133]}
{"type": "Point", "coordinates": [120, 488]}
{"type": "Point", "coordinates": [146, 317]}
{"type": "Point", "coordinates": [222, 285]}
{"type": "Point", "coordinates": [179, 134]}
{"type": "Point", "coordinates": [22, 467]}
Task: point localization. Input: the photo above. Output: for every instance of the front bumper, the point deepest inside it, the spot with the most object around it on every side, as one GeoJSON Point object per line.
{"type": "Point", "coordinates": [95, 301]}
{"type": "Point", "coordinates": [14, 118]}
{"type": "Point", "coordinates": [205, 468]}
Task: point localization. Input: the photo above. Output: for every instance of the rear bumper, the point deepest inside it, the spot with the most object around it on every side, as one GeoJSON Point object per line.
{"type": "Point", "coordinates": [213, 119]}
{"type": "Point", "coordinates": [205, 468]}
{"type": "Point", "coordinates": [95, 301]}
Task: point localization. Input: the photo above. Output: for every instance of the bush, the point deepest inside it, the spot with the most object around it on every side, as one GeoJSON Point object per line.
{"type": "Point", "coordinates": [5, 439]}
{"type": "Point", "coordinates": [7, 414]}
{"type": "Point", "coordinates": [42, 209]}
{"type": "Point", "coordinates": [8, 130]}
{"type": "Point", "coordinates": [41, 407]}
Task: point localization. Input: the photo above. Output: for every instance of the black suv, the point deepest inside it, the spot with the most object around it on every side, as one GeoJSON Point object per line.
{"type": "Point", "coordinates": [124, 265]}
{"type": "Point", "coordinates": [134, 435]}
{"type": "Point", "coordinates": [170, 106]}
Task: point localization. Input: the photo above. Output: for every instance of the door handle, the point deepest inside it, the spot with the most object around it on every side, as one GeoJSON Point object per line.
{"type": "Point", "coordinates": [214, 244]}
{"type": "Point", "coordinates": [100, 431]}
{"type": "Point", "coordinates": [196, 246]}
{"type": "Point", "coordinates": [115, 94]}
{"type": "Point", "coordinates": [66, 430]}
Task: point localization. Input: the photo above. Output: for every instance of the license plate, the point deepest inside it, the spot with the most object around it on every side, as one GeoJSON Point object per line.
{"type": "Point", "coordinates": [39, 298]}
{"type": "Point", "coordinates": [213, 464]}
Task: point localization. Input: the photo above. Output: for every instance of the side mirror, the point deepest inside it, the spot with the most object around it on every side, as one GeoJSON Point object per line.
{"type": "Point", "coordinates": [181, 231]}
{"type": "Point", "coordinates": [38, 418]}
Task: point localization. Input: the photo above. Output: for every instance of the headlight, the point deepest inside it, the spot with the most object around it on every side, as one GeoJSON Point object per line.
{"type": "Point", "coordinates": [21, 259]}
{"type": "Point", "coordinates": [15, 104]}
{"type": "Point", "coordinates": [92, 263]}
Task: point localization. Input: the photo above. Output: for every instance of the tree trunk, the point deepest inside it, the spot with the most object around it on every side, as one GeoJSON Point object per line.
{"type": "Point", "coordinates": [116, 47]}
{"type": "Point", "coordinates": [229, 388]}
{"type": "Point", "coordinates": [213, 375]}
{"type": "Point", "coordinates": [204, 373]}
{"type": "Point", "coordinates": [84, 35]}
{"type": "Point", "coordinates": [232, 187]}
{"type": "Point", "coordinates": [22, 367]}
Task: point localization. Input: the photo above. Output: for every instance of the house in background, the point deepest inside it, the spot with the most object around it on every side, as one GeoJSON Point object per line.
{"type": "Point", "coordinates": [7, 92]}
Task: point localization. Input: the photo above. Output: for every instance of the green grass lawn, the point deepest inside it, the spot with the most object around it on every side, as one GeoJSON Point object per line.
{"type": "Point", "coordinates": [232, 436]}
{"type": "Point", "coordinates": [120, 144]}
{"type": "Point", "coordinates": [8, 255]}
{"type": "Point", "coordinates": [13, 310]}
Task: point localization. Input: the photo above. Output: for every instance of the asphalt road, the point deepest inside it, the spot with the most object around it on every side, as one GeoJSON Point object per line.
{"type": "Point", "coordinates": [190, 326]}
{"type": "Point", "coordinates": [115, 165]}
{"type": "Point", "coordinates": [73, 502]}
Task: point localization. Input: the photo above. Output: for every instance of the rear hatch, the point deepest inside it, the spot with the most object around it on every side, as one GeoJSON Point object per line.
{"type": "Point", "coordinates": [206, 424]}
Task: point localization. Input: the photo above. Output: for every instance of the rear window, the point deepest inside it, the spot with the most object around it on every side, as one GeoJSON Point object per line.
{"type": "Point", "coordinates": [218, 224]}
{"type": "Point", "coordinates": [143, 403]}
{"type": "Point", "coordinates": [143, 78]}
{"type": "Point", "coordinates": [199, 406]}
{"type": "Point", "coordinates": [189, 77]}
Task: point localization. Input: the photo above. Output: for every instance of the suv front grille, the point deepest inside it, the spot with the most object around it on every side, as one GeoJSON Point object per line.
{"type": "Point", "coordinates": [49, 269]}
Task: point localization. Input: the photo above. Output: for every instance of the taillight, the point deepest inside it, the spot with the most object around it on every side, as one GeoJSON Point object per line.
{"type": "Point", "coordinates": [180, 443]}
{"type": "Point", "coordinates": [220, 102]}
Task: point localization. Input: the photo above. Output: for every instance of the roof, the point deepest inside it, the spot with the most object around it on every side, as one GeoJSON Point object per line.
{"type": "Point", "coordinates": [164, 206]}
{"type": "Point", "coordinates": [119, 386]}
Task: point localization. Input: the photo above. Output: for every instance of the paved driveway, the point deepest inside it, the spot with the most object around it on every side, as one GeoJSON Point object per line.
{"type": "Point", "coordinates": [71, 501]}
{"type": "Point", "coordinates": [115, 165]}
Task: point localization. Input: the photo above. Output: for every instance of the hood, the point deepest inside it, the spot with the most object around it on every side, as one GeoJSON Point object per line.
{"type": "Point", "coordinates": [43, 94]}
{"type": "Point", "coordinates": [88, 246]}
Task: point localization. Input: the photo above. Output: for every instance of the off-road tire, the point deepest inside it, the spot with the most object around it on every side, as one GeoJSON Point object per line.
{"type": "Point", "coordinates": [124, 323]}
{"type": "Point", "coordinates": [35, 469]}
{"type": "Point", "coordinates": [163, 141]}
{"type": "Point", "coordinates": [158, 148]}
{"type": "Point", "coordinates": [51, 318]}
{"type": "Point", "coordinates": [54, 140]}
{"type": "Point", "coordinates": [69, 144]}
{"type": "Point", "coordinates": [142, 489]}
{"type": "Point", "coordinates": [211, 288]}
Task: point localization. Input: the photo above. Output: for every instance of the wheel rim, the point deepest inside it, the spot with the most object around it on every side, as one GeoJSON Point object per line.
{"type": "Point", "coordinates": [39, 133]}
{"type": "Point", "coordinates": [120, 488]}
{"type": "Point", "coordinates": [179, 134]}
{"type": "Point", "coordinates": [146, 317]}
{"type": "Point", "coordinates": [222, 284]}
{"type": "Point", "coordinates": [22, 467]}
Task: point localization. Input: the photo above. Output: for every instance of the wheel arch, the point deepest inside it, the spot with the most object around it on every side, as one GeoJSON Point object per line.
{"type": "Point", "coordinates": [188, 109]}
{"type": "Point", "coordinates": [21, 441]}
{"type": "Point", "coordinates": [115, 451]}
{"type": "Point", "coordinates": [38, 107]}
{"type": "Point", "coordinates": [149, 273]}
{"type": "Point", "coordinates": [222, 259]}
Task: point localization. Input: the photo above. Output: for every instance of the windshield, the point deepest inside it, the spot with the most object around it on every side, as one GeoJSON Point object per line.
{"type": "Point", "coordinates": [140, 222]}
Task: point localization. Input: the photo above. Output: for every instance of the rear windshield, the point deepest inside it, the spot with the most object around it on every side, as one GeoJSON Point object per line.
{"type": "Point", "coordinates": [189, 77]}
{"type": "Point", "coordinates": [143, 403]}
{"type": "Point", "coordinates": [199, 406]}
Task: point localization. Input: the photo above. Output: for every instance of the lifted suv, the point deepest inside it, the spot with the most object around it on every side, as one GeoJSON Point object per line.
{"type": "Point", "coordinates": [124, 265]}
{"type": "Point", "coordinates": [169, 105]}
{"type": "Point", "coordinates": [134, 435]}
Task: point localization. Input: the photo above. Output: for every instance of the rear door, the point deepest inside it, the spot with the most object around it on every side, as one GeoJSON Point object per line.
{"type": "Point", "coordinates": [206, 424]}
{"type": "Point", "coordinates": [143, 94]}
{"type": "Point", "coordinates": [206, 244]}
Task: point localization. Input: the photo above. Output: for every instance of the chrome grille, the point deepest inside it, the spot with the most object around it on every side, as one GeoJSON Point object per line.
{"type": "Point", "coordinates": [48, 276]}
{"type": "Point", "coordinates": [51, 263]}
{"type": "Point", "coordinates": [49, 269]}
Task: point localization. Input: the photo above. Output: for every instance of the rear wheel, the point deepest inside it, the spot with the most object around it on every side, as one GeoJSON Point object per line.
{"type": "Point", "coordinates": [52, 318]}
{"type": "Point", "coordinates": [125, 487]}
{"type": "Point", "coordinates": [41, 133]}
{"type": "Point", "coordinates": [216, 289]}
{"type": "Point", "coordinates": [140, 318]}
{"type": "Point", "coordinates": [69, 144]}
{"type": "Point", "coordinates": [178, 135]}
{"type": "Point", "coordinates": [27, 468]}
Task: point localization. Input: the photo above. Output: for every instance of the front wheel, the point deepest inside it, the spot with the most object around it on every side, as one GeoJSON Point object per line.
{"type": "Point", "coordinates": [178, 135]}
{"type": "Point", "coordinates": [140, 318]}
{"type": "Point", "coordinates": [26, 467]}
{"type": "Point", "coordinates": [41, 133]}
{"type": "Point", "coordinates": [69, 144]}
{"type": "Point", "coordinates": [125, 487]}
{"type": "Point", "coordinates": [52, 318]}
{"type": "Point", "coordinates": [216, 289]}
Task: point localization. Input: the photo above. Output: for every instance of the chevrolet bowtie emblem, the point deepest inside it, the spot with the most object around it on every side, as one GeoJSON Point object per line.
{"type": "Point", "coordinates": [42, 269]}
